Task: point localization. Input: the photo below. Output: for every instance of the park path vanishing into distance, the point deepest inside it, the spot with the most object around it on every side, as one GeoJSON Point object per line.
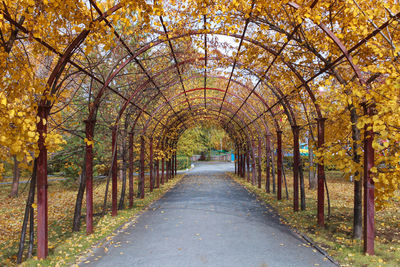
{"type": "Point", "coordinates": [207, 220]}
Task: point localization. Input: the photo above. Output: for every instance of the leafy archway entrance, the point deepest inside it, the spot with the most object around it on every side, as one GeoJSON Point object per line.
{"type": "Point", "coordinates": [263, 71]}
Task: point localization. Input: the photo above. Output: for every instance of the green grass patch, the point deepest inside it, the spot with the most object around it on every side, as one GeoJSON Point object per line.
{"type": "Point", "coordinates": [64, 245]}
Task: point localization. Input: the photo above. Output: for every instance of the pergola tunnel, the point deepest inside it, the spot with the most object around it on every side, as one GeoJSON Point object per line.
{"type": "Point", "coordinates": [269, 73]}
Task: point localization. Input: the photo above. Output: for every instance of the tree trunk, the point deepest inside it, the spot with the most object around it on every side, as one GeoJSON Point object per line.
{"type": "Point", "coordinates": [15, 182]}
{"type": "Point", "coordinates": [312, 178]}
{"type": "Point", "coordinates": [273, 169]}
{"type": "Point", "coordinates": [356, 136]}
{"type": "Point", "coordinates": [76, 223]}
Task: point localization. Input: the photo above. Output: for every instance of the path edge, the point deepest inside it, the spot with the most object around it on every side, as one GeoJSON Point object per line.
{"type": "Point", "coordinates": [103, 243]}
{"type": "Point", "coordinates": [292, 228]}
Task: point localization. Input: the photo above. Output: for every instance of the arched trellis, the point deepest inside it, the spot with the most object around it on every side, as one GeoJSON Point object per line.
{"type": "Point", "coordinates": [291, 117]}
{"type": "Point", "coordinates": [249, 140]}
{"type": "Point", "coordinates": [114, 172]}
{"type": "Point", "coordinates": [66, 58]}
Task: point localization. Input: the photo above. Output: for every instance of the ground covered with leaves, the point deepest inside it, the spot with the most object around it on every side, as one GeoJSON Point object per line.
{"type": "Point", "coordinates": [336, 236]}
{"type": "Point", "coordinates": [64, 245]}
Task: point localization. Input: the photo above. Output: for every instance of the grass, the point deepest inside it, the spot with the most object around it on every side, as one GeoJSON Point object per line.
{"type": "Point", "coordinates": [65, 245]}
{"type": "Point", "coordinates": [336, 236]}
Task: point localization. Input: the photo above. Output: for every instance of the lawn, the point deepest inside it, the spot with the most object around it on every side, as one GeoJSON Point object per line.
{"type": "Point", "coordinates": [64, 245]}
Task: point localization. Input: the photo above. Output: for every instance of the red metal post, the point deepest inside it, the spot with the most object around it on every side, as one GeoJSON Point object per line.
{"type": "Point", "coordinates": [158, 172]}
{"type": "Point", "coordinates": [167, 170]}
{"type": "Point", "coordinates": [171, 167]}
{"type": "Point", "coordinates": [239, 159]}
{"type": "Point", "coordinates": [89, 125]}
{"type": "Point", "coordinates": [369, 187]}
{"type": "Point", "coordinates": [131, 170]}
{"type": "Point", "coordinates": [176, 164]}
{"type": "Point", "coordinates": [253, 164]}
{"type": "Point", "coordinates": [253, 170]}
{"type": "Point", "coordinates": [239, 165]}
{"type": "Point", "coordinates": [41, 174]}
{"type": "Point", "coordinates": [296, 163]}
{"type": "Point", "coordinates": [321, 173]}
{"type": "Point", "coordinates": [239, 172]}
{"type": "Point", "coordinates": [248, 163]}
{"type": "Point", "coordinates": [162, 170]}
{"type": "Point", "coordinates": [243, 164]}
{"type": "Point", "coordinates": [142, 181]}
{"type": "Point", "coordinates": [279, 163]}
{"type": "Point", "coordinates": [267, 159]}
{"type": "Point", "coordinates": [259, 162]}
{"type": "Point", "coordinates": [151, 165]}
{"type": "Point", "coordinates": [114, 172]}
{"type": "Point", "coordinates": [235, 161]}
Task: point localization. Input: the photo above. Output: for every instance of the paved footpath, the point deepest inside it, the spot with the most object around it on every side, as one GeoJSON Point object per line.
{"type": "Point", "coordinates": [208, 220]}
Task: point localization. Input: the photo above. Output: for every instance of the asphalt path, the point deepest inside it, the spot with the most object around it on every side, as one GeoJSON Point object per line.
{"type": "Point", "coordinates": [207, 220]}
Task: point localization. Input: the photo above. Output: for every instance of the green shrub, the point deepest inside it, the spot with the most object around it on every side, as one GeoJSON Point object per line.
{"type": "Point", "coordinates": [183, 162]}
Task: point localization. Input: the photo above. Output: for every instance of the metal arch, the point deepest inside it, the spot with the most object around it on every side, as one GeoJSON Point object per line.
{"type": "Point", "coordinates": [238, 83]}
{"type": "Point", "coordinates": [139, 52]}
{"type": "Point", "coordinates": [304, 83]}
{"type": "Point", "coordinates": [128, 60]}
{"type": "Point", "coordinates": [184, 62]}
{"type": "Point", "coordinates": [168, 128]}
{"type": "Point", "coordinates": [205, 58]}
{"type": "Point", "coordinates": [176, 122]}
{"type": "Point", "coordinates": [143, 85]}
{"type": "Point", "coordinates": [198, 105]}
{"type": "Point", "coordinates": [235, 136]}
{"type": "Point", "coordinates": [237, 53]}
{"type": "Point", "coordinates": [241, 136]}
{"type": "Point", "coordinates": [276, 91]}
{"type": "Point", "coordinates": [66, 59]}
{"type": "Point", "coordinates": [232, 134]}
{"type": "Point", "coordinates": [260, 135]}
{"type": "Point", "coordinates": [241, 119]}
{"type": "Point", "coordinates": [161, 72]}
{"type": "Point", "coordinates": [160, 107]}
{"type": "Point", "coordinates": [236, 139]}
{"type": "Point", "coordinates": [109, 24]}
{"type": "Point", "coordinates": [174, 57]}
{"type": "Point", "coordinates": [273, 61]}
{"type": "Point", "coordinates": [148, 46]}
{"type": "Point", "coordinates": [230, 110]}
{"type": "Point", "coordinates": [225, 124]}
{"type": "Point", "coordinates": [249, 142]}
